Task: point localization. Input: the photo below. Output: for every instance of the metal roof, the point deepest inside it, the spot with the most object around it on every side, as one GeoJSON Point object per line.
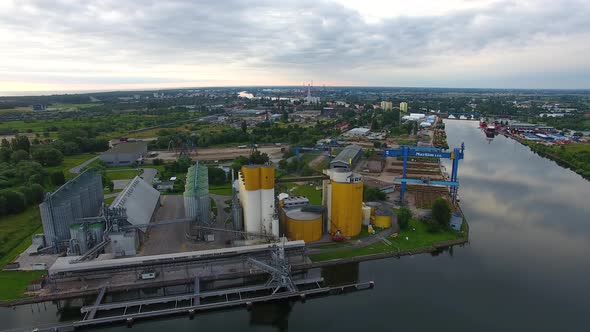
{"type": "Point", "coordinates": [139, 200]}
{"type": "Point", "coordinates": [349, 153]}
{"type": "Point", "coordinates": [128, 147]}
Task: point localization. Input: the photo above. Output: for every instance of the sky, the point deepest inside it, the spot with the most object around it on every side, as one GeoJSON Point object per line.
{"type": "Point", "coordinates": [66, 45]}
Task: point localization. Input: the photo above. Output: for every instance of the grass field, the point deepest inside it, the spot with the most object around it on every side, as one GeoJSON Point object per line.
{"type": "Point", "coordinates": [14, 229]}
{"type": "Point", "coordinates": [224, 189]}
{"type": "Point", "coordinates": [417, 234]}
{"type": "Point", "coordinates": [16, 110]}
{"type": "Point", "coordinates": [122, 174]}
{"type": "Point", "coordinates": [78, 106]}
{"type": "Point", "coordinates": [15, 237]}
{"type": "Point", "coordinates": [69, 162]}
{"type": "Point", "coordinates": [109, 200]}
{"type": "Point", "coordinates": [314, 196]}
{"type": "Point", "coordinates": [13, 284]}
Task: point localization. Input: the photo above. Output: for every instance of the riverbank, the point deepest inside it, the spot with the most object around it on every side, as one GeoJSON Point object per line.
{"type": "Point", "coordinates": [574, 156]}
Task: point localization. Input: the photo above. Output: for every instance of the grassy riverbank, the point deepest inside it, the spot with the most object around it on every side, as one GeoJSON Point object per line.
{"type": "Point", "coordinates": [575, 156]}
{"type": "Point", "coordinates": [15, 236]}
{"type": "Point", "coordinates": [416, 236]}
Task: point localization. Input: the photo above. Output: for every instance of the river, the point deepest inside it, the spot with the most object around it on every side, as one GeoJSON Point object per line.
{"type": "Point", "coordinates": [526, 266]}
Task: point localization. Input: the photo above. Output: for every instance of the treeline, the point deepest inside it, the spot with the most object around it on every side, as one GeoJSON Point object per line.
{"type": "Point", "coordinates": [23, 180]}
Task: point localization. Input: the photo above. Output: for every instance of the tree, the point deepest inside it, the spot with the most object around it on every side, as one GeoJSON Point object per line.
{"type": "Point", "coordinates": [5, 143]}
{"type": "Point", "coordinates": [441, 212]}
{"type": "Point", "coordinates": [15, 201]}
{"type": "Point", "coordinates": [259, 158]}
{"type": "Point", "coordinates": [47, 156]}
{"type": "Point", "coordinates": [244, 126]}
{"type": "Point", "coordinates": [20, 142]}
{"type": "Point", "coordinates": [216, 176]}
{"type": "Point", "coordinates": [371, 194]}
{"type": "Point", "coordinates": [19, 155]}
{"type": "Point", "coordinates": [403, 217]}
{"type": "Point", "coordinates": [57, 178]}
{"type": "Point", "coordinates": [5, 155]}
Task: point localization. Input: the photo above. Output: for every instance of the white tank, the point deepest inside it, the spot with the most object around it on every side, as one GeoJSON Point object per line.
{"type": "Point", "coordinates": [252, 211]}
{"type": "Point", "coordinates": [267, 208]}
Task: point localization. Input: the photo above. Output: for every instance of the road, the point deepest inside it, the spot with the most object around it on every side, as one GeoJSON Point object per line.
{"type": "Point", "coordinates": [170, 238]}
{"type": "Point", "coordinates": [76, 169]}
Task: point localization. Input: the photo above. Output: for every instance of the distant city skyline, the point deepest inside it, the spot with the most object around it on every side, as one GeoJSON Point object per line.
{"type": "Point", "coordinates": [62, 46]}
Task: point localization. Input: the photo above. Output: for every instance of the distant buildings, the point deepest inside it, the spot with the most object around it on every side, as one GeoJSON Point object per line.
{"type": "Point", "coordinates": [125, 153]}
{"type": "Point", "coordinates": [358, 132]}
{"type": "Point", "coordinates": [403, 106]}
{"type": "Point", "coordinates": [39, 107]}
{"type": "Point", "coordinates": [386, 105]}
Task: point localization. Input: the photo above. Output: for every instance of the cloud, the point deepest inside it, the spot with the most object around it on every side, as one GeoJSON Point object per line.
{"type": "Point", "coordinates": [286, 40]}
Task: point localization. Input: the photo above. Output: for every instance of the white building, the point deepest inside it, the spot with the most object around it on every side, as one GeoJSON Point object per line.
{"type": "Point", "coordinates": [358, 132]}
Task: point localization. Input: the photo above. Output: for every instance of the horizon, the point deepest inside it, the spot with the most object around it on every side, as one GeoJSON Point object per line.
{"type": "Point", "coordinates": [153, 45]}
{"type": "Point", "coordinates": [82, 92]}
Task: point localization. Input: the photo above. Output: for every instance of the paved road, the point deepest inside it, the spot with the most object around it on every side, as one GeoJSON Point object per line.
{"type": "Point", "coordinates": [76, 169]}
{"type": "Point", "coordinates": [170, 238]}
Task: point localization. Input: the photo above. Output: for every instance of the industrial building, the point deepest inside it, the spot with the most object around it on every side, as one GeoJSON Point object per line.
{"type": "Point", "coordinates": [343, 197]}
{"type": "Point", "coordinates": [197, 204]}
{"type": "Point", "coordinates": [81, 197]}
{"type": "Point", "coordinates": [125, 153]}
{"type": "Point", "coordinates": [347, 158]}
{"type": "Point", "coordinates": [140, 201]}
{"type": "Point", "coordinates": [257, 198]}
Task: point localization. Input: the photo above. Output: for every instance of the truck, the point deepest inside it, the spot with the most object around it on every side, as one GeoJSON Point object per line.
{"type": "Point", "coordinates": [147, 275]}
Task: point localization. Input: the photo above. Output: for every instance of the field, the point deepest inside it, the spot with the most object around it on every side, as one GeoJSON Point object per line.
{"type": "Point", "coordinates": [15, 237]}
{"type": "Point", "coordinates": [224, 190]}
{"type": "Point", "coordinates": [16, 110]}
{"type": "Point", "coordinates": [122, 174]}
{"type": "Point", "coordinates": [78, 106]}
{"type": "Point", "coordinates": [69, 162]}
{"type": "Point", "coordinates": [309, 191]}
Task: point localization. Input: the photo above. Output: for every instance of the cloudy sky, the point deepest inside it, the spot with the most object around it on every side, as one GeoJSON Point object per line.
{"type": "Point", "coordinates": [58, 45]}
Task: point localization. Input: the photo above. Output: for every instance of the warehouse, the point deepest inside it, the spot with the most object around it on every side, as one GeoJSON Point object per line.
{"type": "Point", "coordinates": [125, 153]}
{"type": "Point", "coordinates": [347, 158]}
{"type": "Point", "coordinates": [140, 201]}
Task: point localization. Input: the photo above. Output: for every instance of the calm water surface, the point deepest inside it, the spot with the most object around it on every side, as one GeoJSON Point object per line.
{"type": "Point", "coordinates": [527, 266]}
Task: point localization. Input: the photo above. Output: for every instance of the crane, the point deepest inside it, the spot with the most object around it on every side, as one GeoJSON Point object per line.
{"type": "Point", "coordinates": [421, 151]}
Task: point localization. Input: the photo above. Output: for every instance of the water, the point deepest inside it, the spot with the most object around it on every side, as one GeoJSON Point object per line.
{"type": "Point", "coordinates": [526, 267]}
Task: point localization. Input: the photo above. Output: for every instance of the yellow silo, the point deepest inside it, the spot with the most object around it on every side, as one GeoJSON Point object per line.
{"type": "Point", "coordinates": [346, 209]}
{"type": "Point", "coordinates": [251, 177]}
{"type": "Point", "coordinates": [267, 177]}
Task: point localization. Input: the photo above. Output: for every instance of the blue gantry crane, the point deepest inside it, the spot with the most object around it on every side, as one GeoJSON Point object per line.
{"type": "Point", "coordinates": [418, 151]}
{"type": "Point", "coordinates": [299, 149]}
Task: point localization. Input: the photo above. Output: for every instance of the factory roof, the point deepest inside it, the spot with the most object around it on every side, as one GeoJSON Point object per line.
{"type": "Point", "coordinates": [348, 155]}
{"type": "Point", "coordinates": [128, 147]}
{"type": "Point", "coordinates": [139, 200]}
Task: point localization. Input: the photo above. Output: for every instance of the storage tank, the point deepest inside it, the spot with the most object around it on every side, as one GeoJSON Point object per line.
{"type": "Point", "coordinates": [78, 243]}
{"type": "Point", "coordinates": [383, 221]}
{"type": "Point", "coordinates": [96, 231]}
{"type": "Point", "coordinates": [250, 198]}
{"type": "Point", "coordinates": [269, 224]}
{"type": "Point", "coordinates": [303, 225]}
{"type": "Point", "coordinates": [346, 203]}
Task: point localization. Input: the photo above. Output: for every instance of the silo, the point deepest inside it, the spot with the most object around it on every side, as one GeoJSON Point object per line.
{"type": "Point", "coordinates": [96, 231]}
{"type": "Point", "coordinates": [269, 224]}
{"type": "Point", "coordinates": [78, 243]}
{"type": "Point", "coordinates": [250, 198]}
{"type": "Point", "coordinates": [346, 206]}
{"type": "Point", "coordinates": [197, 204]}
